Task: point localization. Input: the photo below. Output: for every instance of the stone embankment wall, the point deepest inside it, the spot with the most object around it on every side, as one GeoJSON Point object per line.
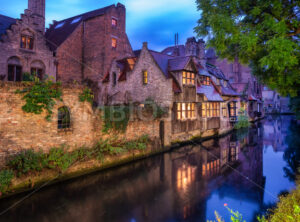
{"type": "Point", "coordinates": [20, 130]}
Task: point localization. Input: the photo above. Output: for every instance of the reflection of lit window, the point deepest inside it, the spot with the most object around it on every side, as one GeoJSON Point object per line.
{"type": "Point", "coordinates": [224, 157]}
{"type": "Point", "coordinates": [185, 176]}
{"type": "Point", "coordinates": [211, 168]}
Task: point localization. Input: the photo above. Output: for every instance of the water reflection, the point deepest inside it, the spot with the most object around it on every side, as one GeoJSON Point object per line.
{"type": "Point", "coordinates": [188, 184]}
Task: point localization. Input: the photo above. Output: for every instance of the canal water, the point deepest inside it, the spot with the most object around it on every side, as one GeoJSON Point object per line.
{"type": "Point", "coordinates": [245, 171]}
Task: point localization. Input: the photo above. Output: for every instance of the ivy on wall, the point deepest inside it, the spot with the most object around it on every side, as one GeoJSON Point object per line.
{"type": "Point", "coordinates": [115, 118]}
{"type": "Point", "coordinates": [41, 96]}
{"type": "Point", "coordinates": [86, 95]}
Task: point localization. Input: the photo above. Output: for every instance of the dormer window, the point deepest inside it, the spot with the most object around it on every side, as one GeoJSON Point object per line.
{"type": "Point", "coordinates": [205, 80]}
{"type": "Point", "coordinates": [218, 81]}
{"type": "Point", "coordinates": [26, 42]}
{"type": "Point", "coordinates": [188, 78]}
{"type": "Point", "coordinates": [114, 22]}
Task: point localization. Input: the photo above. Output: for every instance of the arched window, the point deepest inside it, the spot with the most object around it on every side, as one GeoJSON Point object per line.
{"type": "Point", "coordinates": [14, 70]}
{"type": "Point", "coordinates": [38, 69]}
{"type": "Point", "coordinates": [64, 118]}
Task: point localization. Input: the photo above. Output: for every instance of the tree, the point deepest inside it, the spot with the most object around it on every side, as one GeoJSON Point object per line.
{"type": "Point", "coordinates": [262, 33]}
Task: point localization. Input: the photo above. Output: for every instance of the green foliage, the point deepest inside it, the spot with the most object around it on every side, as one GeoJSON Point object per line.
{"type": "Point", "coordinates": [86, 95]}
{"type": "Point", "coordinates": [59, 158]}
{"type": "Point", "coordinates": [40, 96]}
{"type": "Point", "coordinates": [157, 111]}
{"type": "Point", "coordinates": [288, 209]}
{"type": "Point", "coordinates": [6, 177]}
{"type": "Point", "coordinates": [115, 118]}
{"type": "Point", "coordinates": [295, 105]}
{"type": "Point", "coordinates": [27, 77]}
{"type": "Point", "coordinates": [27, 161]}
{"type": "Point", "coordinates": [264, 34]}
{"type": "Point", "coordinates": [243, 121]}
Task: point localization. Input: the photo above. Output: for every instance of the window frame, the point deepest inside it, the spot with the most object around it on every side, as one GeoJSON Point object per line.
{"type": "Point", "coordinates": [232, 108]}
{"type": "Point", "coordinates": [114, 43]}
{"type": "Point", "coordinates": [29, 42]}
{"type": "Point", "coordinates": [145, 77]}
{"type": "Point", "coordinates": [38, 74]}
{"type": "Point", "coordinates": [61, 125]}
{"type": "Point", "coordinates": [188, 78]}
{"type": "Point", "coordinates": [17, 71]}
{"type": "Point", "coordinates": [205, 80]}
{"type": "Point", "coordinates": [186, 111]}
{"type": "Point", "coordinates": [210, 109]}
{"type": "Point", "coordinates": [112, 22]}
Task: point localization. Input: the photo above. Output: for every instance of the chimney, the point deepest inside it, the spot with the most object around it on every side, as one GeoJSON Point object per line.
{"type": "Point", "coordinates": [37, 7]}
{"type": "Point", "coordinates": [145, 45]}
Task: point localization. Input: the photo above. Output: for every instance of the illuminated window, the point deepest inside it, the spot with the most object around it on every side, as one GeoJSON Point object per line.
{"type": "Point", "coordinates": [205, 80]}
{"type": "Point", "coordinates": [186, 111]}
{"type": "Point", "coordinates": [114, 43]}
{"type": "Point", "coordinates": [218, 81]}
{"type": "Point", "coordinates": [188, 78]}
{"type": "Point", "coordinates": [114, 22]}
{"type": "Point", "coordinates": [232, 109]}
{"type": "Point", "coordinates": [211, 109]}
{"type": "Point", "coordinates": [225, 83]}
{"type": "Point", "coordinates": [26, 42]}
{"type": "Point", "coordinates": [145, 77]}
{"type": "Point", "coordinates": [203, 109]}
{"type": "Point", "coordinates": [224, 110]}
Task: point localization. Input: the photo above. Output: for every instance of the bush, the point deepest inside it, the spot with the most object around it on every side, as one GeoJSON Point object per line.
{"type": "Point", "coordinates": [243, 121]}
{"type": "Point", "coordinates": [27, 161]}
{"type": "Point", "coordinates": [288, 208]}
{"type": "Point", "coordinates": [86, 95]}
{"type": "Point", "coordinates": [59, 158]}
{"type": "Point", "coordinates": [5, 179]}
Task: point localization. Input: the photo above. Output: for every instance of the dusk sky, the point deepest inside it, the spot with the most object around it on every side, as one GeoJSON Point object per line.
{"type": "Point", "coordinates": [154, 21]}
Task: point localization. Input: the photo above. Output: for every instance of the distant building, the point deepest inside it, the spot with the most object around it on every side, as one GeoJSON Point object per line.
{"type": "Point", "coordinates": [241, 79]}
{"type": "Point", "coordinates": [274, 103]}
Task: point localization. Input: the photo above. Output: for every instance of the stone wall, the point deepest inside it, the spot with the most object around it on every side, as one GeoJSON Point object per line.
{"type": "Point", "coordinates": [20, 130]}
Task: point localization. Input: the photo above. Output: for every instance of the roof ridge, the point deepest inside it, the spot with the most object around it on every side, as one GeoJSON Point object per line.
{"type": "Point", "coordinates": [7, 17]}
{"type": "Point", "coordinates": [104, 8]}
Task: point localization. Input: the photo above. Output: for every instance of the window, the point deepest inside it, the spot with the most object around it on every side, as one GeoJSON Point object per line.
{"type": "Point", "coordinates": [188, 78]}
{"type": "Point", "coordinates": [224, 110]}
{"type": "Point", "coordinates": [232, 109]}
{"type": "Point", "coordinates": [38, 72]}
{"type": "Point", "coordinates": [59, 25]}
{"type": "Point", "coordinates": [75, 20]}
{"type": "Point", "coordinates": [114, 79]}
{"type": "Point", "coordinates": [205, 80]}
{"type": "Point", "coordinates": [145, 77]}
{"type": "Point", "coordinates": [114, 43]}
{"type": "Point", "coordinates": [225, 83]}
{"type": "Point", "coordinates": [14, 73]}
{"type": "Point", "coordinates": [186, 111]}
{"type": "Point", "coordinates": [64, 118]}
{"type": "Point", "coordinates": [114, 22]}
{"type": "Point", "coordinates": [211, 109]}
{"type": "Point", "coordinates": [26, 42]}
{"type": "Point", "coordinates": [218, 81]}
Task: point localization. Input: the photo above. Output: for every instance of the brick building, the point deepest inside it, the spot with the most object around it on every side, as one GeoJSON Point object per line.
{"type": "Point", "coordinates": [242, 80]}
{"type": "Point", "coordinates": [23, 48]}
{"type": "Point", "coordinates": [85, 45]}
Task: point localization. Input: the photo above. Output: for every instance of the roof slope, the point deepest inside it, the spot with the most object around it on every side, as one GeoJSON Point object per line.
{"type": "Point", "coordinates": [162, 61]}
{"type": "Point", "coordinates": [56, 36]}
{"type": "Point", "coordinates": [175, 50]}
{"type": "Point", "coordinates": [178, 63]}
{"type": "Point", "coordinates": [210, 93]}
{"type": "Point", "coordinates": [5, 23]}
